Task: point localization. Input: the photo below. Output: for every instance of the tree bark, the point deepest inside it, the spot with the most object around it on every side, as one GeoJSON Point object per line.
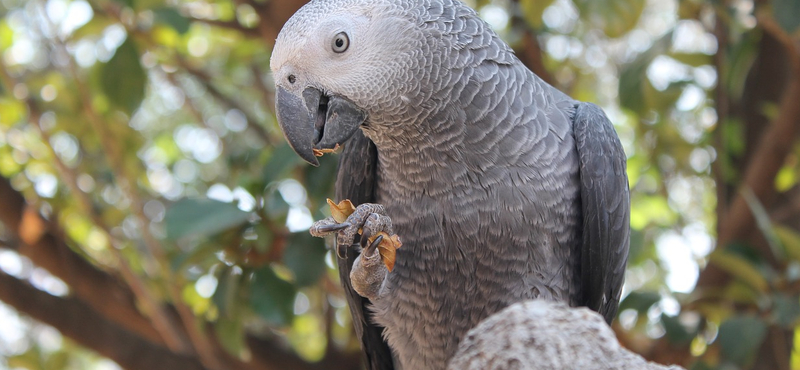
{"type": "Point", "coordinates": [82, 323]}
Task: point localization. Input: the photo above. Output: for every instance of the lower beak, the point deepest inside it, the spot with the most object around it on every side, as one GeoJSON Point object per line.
{"type": "Point", "coordinates": [316, 121]}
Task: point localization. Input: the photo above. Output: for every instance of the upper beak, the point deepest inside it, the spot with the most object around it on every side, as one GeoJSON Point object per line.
{"type": "Point", "coordinates": [316, 121]}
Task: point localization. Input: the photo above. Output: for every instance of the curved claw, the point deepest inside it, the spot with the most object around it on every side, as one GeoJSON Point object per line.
{"type": "Point", "coordinates": [333, 227]}
{"type": "Point", "coordinates": [341, 251]}
{"type": "Point", "coordinates": [370, 250]}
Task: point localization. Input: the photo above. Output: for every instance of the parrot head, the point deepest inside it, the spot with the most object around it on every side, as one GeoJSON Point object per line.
{"type": "Point", "coordinates": [338, 63]}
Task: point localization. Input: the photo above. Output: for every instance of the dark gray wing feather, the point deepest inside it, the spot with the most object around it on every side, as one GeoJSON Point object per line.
{"type": "Point", "coordinates": [605, 200]}
{"type": "Point", "coordinates": [356, 181]}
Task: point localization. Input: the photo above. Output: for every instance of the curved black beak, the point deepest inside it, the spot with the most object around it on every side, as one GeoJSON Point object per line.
{"type": "Point", "coordinates": [316, 121]}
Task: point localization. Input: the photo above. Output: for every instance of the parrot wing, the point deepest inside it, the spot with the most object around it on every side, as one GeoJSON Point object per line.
{"type": "Point", "coordinates": [356, 181]}
{"type": "Point", "coordinates": [605, 200]}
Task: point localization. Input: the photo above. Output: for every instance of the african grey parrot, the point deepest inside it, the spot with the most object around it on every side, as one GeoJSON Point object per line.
{"type": "Point", "coordinates": [501, 188]}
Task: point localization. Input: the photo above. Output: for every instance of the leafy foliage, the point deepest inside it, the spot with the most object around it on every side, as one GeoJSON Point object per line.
{"type": "Point", "coordinates": [144, 129]}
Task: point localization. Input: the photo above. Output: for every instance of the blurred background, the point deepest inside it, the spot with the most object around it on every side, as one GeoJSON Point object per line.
{"type": "Point", "coordinates": [152, 216]}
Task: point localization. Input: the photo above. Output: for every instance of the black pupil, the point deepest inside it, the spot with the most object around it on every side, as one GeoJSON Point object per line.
{"type": "Point", "coordinates": [339, 42]}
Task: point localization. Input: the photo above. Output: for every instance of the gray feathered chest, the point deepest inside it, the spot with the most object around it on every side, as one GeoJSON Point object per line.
{"type": "Point", "coordinates": [487, 204]}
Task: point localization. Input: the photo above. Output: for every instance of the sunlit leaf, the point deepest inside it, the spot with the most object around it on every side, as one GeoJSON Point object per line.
{"type": "Point", "coordinates": [271, 297]}
{"type": "Point", "coordinates": [740, 337]}
{"type": "Point", "coordinates": [12, 111]}
{"type": "Point", "coordinates": [123, 79]}
{"type": "Point", "coordinates": [790, 239]}
{"type": "Point", "coordinates": [786, 178]}
{"type": "Point", "coordinates": [94, 27]}
{"type": "Point", "coordinates": [30, 360]}
{"type": "Point", "coordinates": [57, 360]}
{"type": "Point", "coordinates": [202, 217]}
{"type": "Point", "coordinates": [6, 36]}
{"type": "Point", "coordinates": [692, 59]}
{"type": "Point", "coordinates": [532, 10]}
{"type": "Point", "coordinates": [614, 17]}
{"type": "Point", "coordinates": [739, 267]}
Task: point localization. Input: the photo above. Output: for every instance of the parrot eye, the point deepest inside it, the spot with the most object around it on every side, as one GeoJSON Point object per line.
{"type": "Point", "coordinates": [340, 42]}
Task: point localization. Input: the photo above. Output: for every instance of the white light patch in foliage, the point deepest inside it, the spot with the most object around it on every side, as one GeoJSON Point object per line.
{"type": "Point", "coordinates": [46, 185]}
{"type": "Point", "coordinates": [690, 37]}
{"type": "Point", "coordinates": [691, 98]}
{"type": "Point", "coordinates": [246, 201]}
{"type": "Point", "coordinates": [293, 193]}
{"type": "Point", "coordinates": [206, 285]}
{"type": "Point", "coordinates": [665, 70]}
{"type": "Point", "coordinates": [680, 252]}
{"type": "Point", "coordinates": [220, 192]}
{"type": "Point", "coordinates": [77, 14]}
{"type": "Point", "coordinates": [202, 143]}
{"type": "Point", "coordinates": [495, 16]}
{"type": "Point", "coordinates": [43, 280]}
{"type": "Point", "coordinates": [301, 304]}
{"type": "Point", "coordinates": [561, 16]}
{"type": "Point", "coordinates": [299, 219]}
{"type": "Point", "coordinates": [13, 264]}
{"type": "Point", "coordinates": [13, 332]}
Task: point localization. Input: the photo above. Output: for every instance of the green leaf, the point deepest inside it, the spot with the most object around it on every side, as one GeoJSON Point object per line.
{"type": "Point", "coordinates": [226, 296]}
{"type": "Point", "coordinates": [614, 17]}
{"type": "Point", "coordinates": [639, 301]}
{"type": "Point", "coordinates": [532, 11]}
{"type": "Point", "coordinates": [764, 223]}
{"type": "Point", "coordinates": [57, 360]}
{"type": "Point", "coordinates": [283, 157]}
{"type": "Point", "coordinates": [786, 310]}
{"type": "Point", "coordinates": [790, 239]}
{"type": "Point", "coordinates": [271, 297]}
{"type": "Point", "coordinates": [634, 86]}
{"type": "Point", "coordinates": [171, 17]}
{"type": "Point", "coordinates": [692, 59]}
{"type": "Point", "coordinates": [786, 13]}
{"type": "Point", "coordinates": [200, 217]}
{"type": "Point", "coordinates": [786, 178]}
{"type": "Point", "coordinates": [676, 332]}
{"type": "Point", "coordinates": [739, 267]}
{"type": "Point", "coordinates": [123, 79]}
{"type": "Point", "coordinates": [231, 335]}
{"type": "Point", "coordinates": [305, 257]}
{"type": "Point", "coordinates": [740, 337]}
{"type": "Point", "coordinates": [125, 2]}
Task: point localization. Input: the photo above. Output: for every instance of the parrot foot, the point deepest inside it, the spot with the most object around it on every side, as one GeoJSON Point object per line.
{"type": "Point", "coordinates": [369, 270]}
{"type": "Point", "coordinates": [368, 219]}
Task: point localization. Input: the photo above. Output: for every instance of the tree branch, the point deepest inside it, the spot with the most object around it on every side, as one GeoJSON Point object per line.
{"type": "Point", "coordinates": [81, 323]}
{"type": "Point", "coordinates": [103, 292]}
{"type": "Point", "coordinates": [759, 176]}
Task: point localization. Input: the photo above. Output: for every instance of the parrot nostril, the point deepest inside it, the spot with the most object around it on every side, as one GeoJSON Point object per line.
{"type": "Point", "coordinates": [292, 79]}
